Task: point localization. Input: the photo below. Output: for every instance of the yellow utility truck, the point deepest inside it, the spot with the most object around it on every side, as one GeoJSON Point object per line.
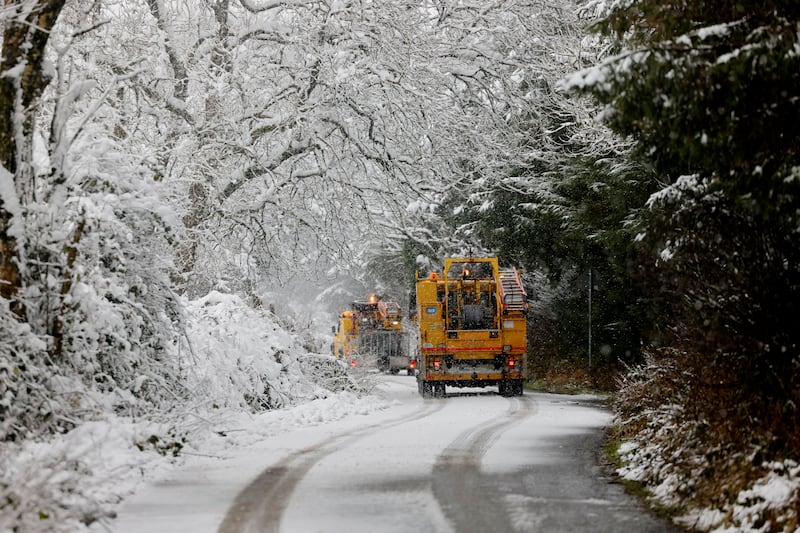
{"type": "Point", "coordinates": [371, 332]}
{"type": "Point", "coordinates": [472, 327]}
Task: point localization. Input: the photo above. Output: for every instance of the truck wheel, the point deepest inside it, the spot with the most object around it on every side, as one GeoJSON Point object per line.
{"type": "Point", "coordinates": [426, 390]}
{"type": "Point", "coordinates": [504, 389]}
{"type": "Point", "coordinates": [438, 390]}
{"type": "Point", "coordinates": [517, 387]}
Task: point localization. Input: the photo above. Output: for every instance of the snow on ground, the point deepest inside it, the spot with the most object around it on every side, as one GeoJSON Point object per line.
{"type": "Point", "coordinates": [192, 495]}
{"type": "Point", "coordinates": [555, 419]}
{"type": "Point", "coordinates": [237, 361]}
{"type": "Point", "coordinates": [768, 505]}
{"type": "Point", "coordinates": [110, 466]}
{"type": "Point", "coordinates": [212, 471]}
{"type": "Point", "coordinates": [195, 495]}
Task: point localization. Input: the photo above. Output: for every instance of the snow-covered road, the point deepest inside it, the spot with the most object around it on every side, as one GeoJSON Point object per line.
{"type": "Point", "coordinates": [471, 462]}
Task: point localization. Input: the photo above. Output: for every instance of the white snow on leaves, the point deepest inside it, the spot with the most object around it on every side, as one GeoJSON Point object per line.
{"type": "Point", "coordinates": [231, 353]}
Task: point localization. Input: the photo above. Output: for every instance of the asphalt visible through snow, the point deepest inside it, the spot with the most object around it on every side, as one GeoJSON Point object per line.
{"type": "Point", "coordinates": [469, 462]}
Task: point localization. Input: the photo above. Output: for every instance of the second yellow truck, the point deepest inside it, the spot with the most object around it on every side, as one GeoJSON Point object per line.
{"type": "Point", "coordinates": [371, 333]}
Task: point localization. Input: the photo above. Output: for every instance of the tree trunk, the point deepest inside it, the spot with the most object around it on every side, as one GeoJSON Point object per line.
{"type": "Point", "coordinates": [25, 33]}
{"type": "Point", "coordinates": [10, 278]}
{"type": "Point", "coordinates": [66, 285]}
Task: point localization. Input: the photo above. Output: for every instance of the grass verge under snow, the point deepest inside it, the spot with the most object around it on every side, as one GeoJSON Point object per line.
{"type": "Point", "coordinates": [687, 472]}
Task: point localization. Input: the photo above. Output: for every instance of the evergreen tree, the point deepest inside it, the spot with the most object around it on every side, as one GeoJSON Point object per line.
{"type": "Point", "coordinates": [578, 228]}
{"type": "Point", "coordinates": [710, 89]}
{"type": "Point", "coordinates": [710, 92]}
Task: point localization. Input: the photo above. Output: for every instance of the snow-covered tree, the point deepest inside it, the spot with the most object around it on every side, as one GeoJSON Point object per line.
{"type": "Point", "coordinates": [710, 96]}
{"type": "Point", "coordinates": [709, 93]}
{"type": "Point", "coordinates": [88, 309]}
{"type": "Point", "coordinates": [543, 189]}
{"type": "Point", "coordinates": [26, 29]}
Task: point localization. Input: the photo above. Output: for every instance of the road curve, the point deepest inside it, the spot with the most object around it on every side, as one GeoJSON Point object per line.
{"type": "Point", "coordinates": [260, 506]}
{"type": "Point", "coordinates": [457, 480]}
{"type": "Point", "coordinates": [470, 462]}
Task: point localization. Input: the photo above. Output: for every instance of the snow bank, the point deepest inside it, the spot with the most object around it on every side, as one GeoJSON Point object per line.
{"type": "Point", "coordinates": [71, 480]}
{"type": "Point", "coordinates": [770, 504]}
{"type": "Point", "coordinates": [663, 454]}
{"type": "Point", "coordinates": [238, 367]}
{"type": "Point", "coordinates": [236, 356]}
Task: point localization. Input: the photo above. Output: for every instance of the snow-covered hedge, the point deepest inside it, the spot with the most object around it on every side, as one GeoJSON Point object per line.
{"type": "Point", "coordinates": [706, 482]}
{"type": "Point", "coordinates": [231, 363]}
{"type": "Point", "coordinates": [236, 356]}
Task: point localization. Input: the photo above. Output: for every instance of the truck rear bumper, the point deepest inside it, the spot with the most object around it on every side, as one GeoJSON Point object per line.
{"type": "Point", "coordinates": [473, 377]}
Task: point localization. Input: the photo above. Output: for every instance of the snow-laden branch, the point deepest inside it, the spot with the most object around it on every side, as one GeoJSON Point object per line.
{"type": "Point", "coordinates": [75, 92]}
{"type": "Point", "coordinates": [256, 6]}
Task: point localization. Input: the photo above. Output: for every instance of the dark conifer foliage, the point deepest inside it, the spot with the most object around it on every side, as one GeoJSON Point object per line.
{"type": "Point", "coordinates": [711, 88]}
{"type": "Point", "coordinates": [710, 93]}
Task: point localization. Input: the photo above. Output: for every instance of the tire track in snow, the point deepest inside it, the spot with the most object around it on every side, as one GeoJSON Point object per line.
{"type": "Point", "coordinates": [259, 507]}
{"type": "Point", "coordinates": [469, 504]}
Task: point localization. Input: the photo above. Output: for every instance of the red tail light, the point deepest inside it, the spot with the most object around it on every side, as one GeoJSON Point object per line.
{"type": "Point", "coordinates": [511, 363]}
{"type": "Point", "coordinates": [436, 364]}
{"type": "Point", "coordinates": [413, 364]}
{"type": "Point", "coordinates": [353, 363]}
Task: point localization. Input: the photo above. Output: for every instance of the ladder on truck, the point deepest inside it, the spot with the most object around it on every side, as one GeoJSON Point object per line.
{"type": "Point", "coordinates": [512, 295]}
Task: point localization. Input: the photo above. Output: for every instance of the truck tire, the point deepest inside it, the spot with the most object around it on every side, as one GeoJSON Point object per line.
{"type": "Point", "coordinates": [426, 389]}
